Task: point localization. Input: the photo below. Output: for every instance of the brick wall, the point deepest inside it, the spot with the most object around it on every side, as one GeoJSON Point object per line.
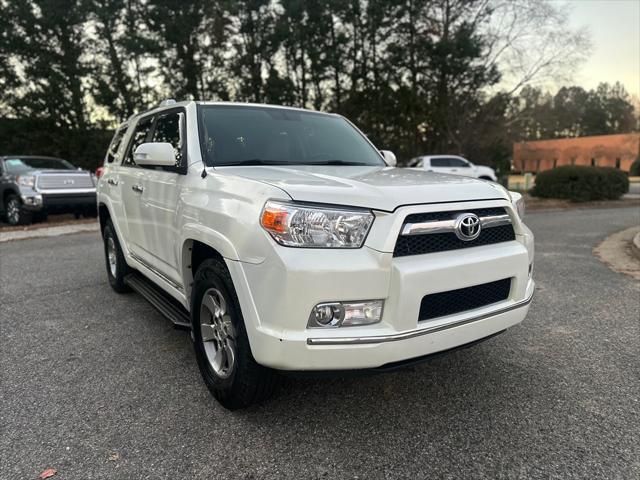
{"type": "Point", "coordinates": [603, 150]}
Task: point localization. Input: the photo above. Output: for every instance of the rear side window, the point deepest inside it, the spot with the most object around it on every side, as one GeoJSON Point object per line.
{"type": "Point", "coordinates": [440, 162]}
{"type": "Point", "coordinates": [139, 136]}
{"type": "Point", "coordinates": [114, 146]}
{"type": "Point", "coordinates": [457, 162]}
{"type": "Point", "coordinates": [169, 128]}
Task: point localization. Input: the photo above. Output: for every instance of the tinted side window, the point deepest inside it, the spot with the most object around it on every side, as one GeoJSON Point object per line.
{"type": "Point", "coordinates": [114, 146]}
{"type": "Point", "coordinates": [440, 162]}
{"type": "Point", "coordinates": [168, 129]}
{"type": "Point", "coordinates": [456, 162]}
{"type": "Point", "coordinates": [139, 137]}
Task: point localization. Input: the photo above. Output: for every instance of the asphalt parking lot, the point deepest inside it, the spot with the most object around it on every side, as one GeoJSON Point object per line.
{"type": "Point", "coordinates": [99, 385]}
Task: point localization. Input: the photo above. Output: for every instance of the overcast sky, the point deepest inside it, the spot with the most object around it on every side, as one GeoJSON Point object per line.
{"type": "Point", "coordinates": [615, 33]}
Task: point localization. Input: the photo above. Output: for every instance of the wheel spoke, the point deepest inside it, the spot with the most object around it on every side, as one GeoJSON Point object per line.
{"type": "Point", "coordinates": [218, 360]}
{"type": "Point", "coordinates": [222, 304]}
{"type": "Point", "coordinates": [208, 332]}
{"type": "Point", "coordinates": [230, 355]}
{"type": "Point", "coordinates": [210, 304]}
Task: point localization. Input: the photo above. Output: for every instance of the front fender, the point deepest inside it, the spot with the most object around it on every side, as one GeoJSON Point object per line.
{"type": "Point", "coordinates": [210, 237]}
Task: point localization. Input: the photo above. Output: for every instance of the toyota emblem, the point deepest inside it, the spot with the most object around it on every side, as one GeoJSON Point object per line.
{"type": "Point", "coordinates": [468, 227]}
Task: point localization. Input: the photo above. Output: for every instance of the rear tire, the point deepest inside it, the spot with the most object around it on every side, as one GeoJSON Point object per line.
{"type": "Point", "coordinates": [221, 344]}
{"type": "Point", "coordinates": [15, 212]}
{"type": "Point", "coordinates": [117, 267]}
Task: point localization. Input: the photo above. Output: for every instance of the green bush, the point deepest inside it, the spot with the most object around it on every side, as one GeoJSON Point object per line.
{"type": "Point", "coordinates": [581, 184]}
{"type": "Point", "coordinates": [634, 171]}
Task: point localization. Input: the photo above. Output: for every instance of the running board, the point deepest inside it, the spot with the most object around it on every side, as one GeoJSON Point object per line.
{"type": "Point", "coordinates": [165, 304]}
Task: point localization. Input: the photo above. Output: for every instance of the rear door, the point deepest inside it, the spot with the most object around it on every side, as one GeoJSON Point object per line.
{"type": "Point", "coordinates": [130, 182]}
{"type": "Point", "coordinates": [440, 164]}
{"type": "Point", "coordinates": [459, 166]}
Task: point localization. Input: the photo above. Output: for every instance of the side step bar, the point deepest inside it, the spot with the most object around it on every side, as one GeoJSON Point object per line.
{"type": "Point", "coordinates": [166, 305]}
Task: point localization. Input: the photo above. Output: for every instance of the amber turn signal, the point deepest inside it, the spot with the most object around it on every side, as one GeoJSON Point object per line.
{"type": "Point", "coordinates": [273, 219]}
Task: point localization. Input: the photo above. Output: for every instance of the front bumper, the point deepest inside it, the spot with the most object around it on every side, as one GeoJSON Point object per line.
{"type": "Point", "coordinates": [278, 294]}
{"type": "Point", "coordinates": [59, 202]}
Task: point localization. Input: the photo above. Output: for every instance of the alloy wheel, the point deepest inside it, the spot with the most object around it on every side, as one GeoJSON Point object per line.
{"type": "Point", "coordinates": [111, 256]}
{"type": "Point", "coordinates": [218, 334]}
{"type": "Point", "coordinates": [13, 211]}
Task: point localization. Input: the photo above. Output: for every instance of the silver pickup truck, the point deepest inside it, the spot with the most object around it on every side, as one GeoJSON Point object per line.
{"type": "Point", "coordinates": [31, 187]}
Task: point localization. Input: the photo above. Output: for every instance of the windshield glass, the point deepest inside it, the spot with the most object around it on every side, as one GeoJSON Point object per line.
{"type": "Point", "coordinates": [20, 165]}
{"type": "Point", "coordinates": [278, 136]}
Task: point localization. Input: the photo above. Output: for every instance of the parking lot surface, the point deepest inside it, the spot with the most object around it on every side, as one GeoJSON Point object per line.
{"type": "Point", "coordinates": [99, 385]}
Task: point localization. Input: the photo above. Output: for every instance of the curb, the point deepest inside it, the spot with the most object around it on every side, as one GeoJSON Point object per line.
{"type": "Point", "coordinates": [635, 245]}
{"type": "Point", "coordinates": [48, 231]}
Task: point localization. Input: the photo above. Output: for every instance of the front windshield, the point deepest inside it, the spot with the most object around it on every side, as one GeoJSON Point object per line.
{"type": "Point", "coordinates": [21, 165]}
{"type": "Point", "coordinates": [239, 135]}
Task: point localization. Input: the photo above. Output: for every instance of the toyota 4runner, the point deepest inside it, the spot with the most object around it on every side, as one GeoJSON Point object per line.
{"type": "Point", "coordinates": [286, 241]}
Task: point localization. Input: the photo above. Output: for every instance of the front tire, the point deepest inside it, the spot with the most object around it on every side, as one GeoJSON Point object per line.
{"type": "Point", "coordinates": [221, 344]}
{"type": "Point", "coordinates": [117, 267]}
{"type": "Point", "coordinates": [15, 212]}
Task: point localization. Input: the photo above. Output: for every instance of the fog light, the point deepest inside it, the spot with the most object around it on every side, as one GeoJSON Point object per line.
{"type": "Point", "coordinates": [343, 314]}
{"type": "Point", "coordinates": [32, 200]}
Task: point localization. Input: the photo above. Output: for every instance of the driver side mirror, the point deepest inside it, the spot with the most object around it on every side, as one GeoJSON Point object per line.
{"type": "Point", "coordinates": [156, 154]}
{"type": "Point", "coordinates": [389, 157]}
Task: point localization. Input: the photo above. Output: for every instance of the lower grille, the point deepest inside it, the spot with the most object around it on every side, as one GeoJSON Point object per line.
{"type": "Point", "coordinates": [456, 301]}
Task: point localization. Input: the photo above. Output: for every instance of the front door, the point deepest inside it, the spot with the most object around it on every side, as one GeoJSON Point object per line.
{"type": "Point", "coordinates": [159, 198]}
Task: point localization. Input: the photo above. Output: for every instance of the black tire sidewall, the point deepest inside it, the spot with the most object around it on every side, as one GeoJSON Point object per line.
{"type": "Point", "coordinates": [122, 269]}
{"type": "Point", "coordinates": [23, 216]}
{"type": "Point", "coordinates": [249, 382]}
{"type": "Point", "coordinates": [208, 278]}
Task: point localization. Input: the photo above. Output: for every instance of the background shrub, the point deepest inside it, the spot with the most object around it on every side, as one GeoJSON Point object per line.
{"type": "Point", "coordinates": [634, 171]}
{"type": "Point", "coordinates": [581, 184]}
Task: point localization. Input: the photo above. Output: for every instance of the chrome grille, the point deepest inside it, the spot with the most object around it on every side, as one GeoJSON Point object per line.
{"type": "Point", "coordinates": [57, 181]}
{"type": "Point", "coordinates": [439, 237]}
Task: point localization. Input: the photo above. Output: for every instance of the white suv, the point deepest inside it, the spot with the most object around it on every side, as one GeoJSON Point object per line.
{"type": "Point", "coordinates": [283, 240]}
{"type": "Point", "coordinates": [453, 165]}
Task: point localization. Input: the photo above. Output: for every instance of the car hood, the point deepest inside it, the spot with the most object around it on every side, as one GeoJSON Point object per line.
{"type": "Point", "coordinates": [380, 188]}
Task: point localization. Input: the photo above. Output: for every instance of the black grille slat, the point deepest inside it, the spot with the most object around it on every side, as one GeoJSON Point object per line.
{"type": "Point", "coordinates": [441, 242]}
{"type": "Point", "coordinates": [455, 301]}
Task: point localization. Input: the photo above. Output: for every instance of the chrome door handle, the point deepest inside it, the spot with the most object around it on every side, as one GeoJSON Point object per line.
{"type": "Point", "coordinates": [137, 188]}
{"type": "Point", "coordinates": [113, 182]}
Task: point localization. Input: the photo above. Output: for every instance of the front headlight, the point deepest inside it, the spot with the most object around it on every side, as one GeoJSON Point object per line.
{"type": "Point", "coordinates": [297, 225]}
{"type": "Point", "coordinates": [517, 200]}
{"type": "Point", "coordinates": [26, 180]}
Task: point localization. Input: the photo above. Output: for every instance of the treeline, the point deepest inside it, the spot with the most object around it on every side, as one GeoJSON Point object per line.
{"type": "Point", "coordinates": [418, 76]}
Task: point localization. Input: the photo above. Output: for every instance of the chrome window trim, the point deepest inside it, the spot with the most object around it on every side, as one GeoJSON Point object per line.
{"type": "Point", "coordinates": [418, 332]}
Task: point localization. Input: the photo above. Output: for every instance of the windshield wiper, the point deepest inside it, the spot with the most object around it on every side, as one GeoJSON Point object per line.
{"type": "Point", "coordinates": [252, 161]}
{"type": "Point", "coordinates": [338, 162]}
